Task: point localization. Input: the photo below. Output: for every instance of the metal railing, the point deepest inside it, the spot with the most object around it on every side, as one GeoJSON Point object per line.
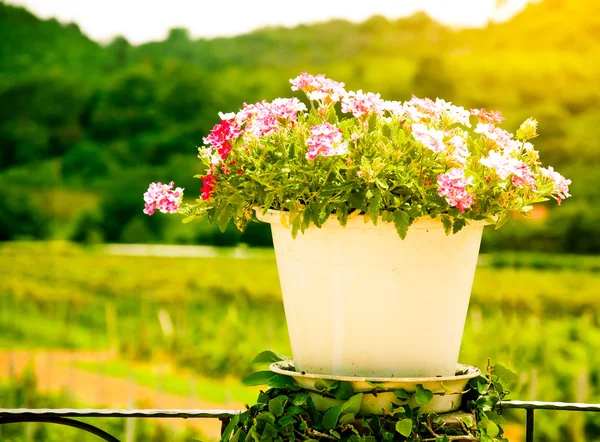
{"type": "Point", "coordinates": [67, 416]}
{"type": "Point", "coordinates": [531, 406]}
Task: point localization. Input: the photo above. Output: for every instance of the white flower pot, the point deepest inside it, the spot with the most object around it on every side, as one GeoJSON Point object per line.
{"type": "Point", "coordinates": [359, 301]}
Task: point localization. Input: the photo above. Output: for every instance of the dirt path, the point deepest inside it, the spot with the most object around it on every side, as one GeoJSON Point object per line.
{"type": "Point", "coordinates": [56, 371]}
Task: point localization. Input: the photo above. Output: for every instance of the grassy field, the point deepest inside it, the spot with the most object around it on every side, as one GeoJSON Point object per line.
{"type": "Point", "coordinates": [537, 314]}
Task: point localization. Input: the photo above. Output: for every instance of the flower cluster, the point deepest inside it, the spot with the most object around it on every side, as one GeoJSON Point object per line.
{"type": "Point", "coordinates": [389, 160]}
{"type": "Point", "coordinates": [360, 104]}
{"type": "Point", "coordinates": [560, 184]}
{"type": "Point", "coordinates": [453, 187]}
{"type": "Point", "coordinates": [162, 197]}
{"type": "Point", "coordinates": [319, 88]}
{"type": "Point", "coordinates": [325, 140]}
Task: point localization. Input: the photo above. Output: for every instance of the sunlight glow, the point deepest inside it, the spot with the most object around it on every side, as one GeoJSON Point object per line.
{"type": "Point", "coordinates": [142, 20]}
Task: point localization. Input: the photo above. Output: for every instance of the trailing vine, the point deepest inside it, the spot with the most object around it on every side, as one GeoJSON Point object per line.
{"type": "Point", "coordinates": [285, 412]}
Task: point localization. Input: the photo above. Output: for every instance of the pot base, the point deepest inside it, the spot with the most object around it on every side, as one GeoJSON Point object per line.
{"type": "Point", "coordinates": [378, 393]}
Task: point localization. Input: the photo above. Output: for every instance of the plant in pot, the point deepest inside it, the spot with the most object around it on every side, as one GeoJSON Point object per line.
{"type": "Point", "coordinates": [377, 210]}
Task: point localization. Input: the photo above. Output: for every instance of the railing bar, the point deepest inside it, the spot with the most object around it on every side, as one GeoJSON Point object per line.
{"type": "Point", "coordinates": [91, 412]}
{"type": "Point", "coordinates": [60, 421]}
{"type": "Point", "coordinates": [530, 424]}
{"type": "Point", "coordinates": [561, 406]}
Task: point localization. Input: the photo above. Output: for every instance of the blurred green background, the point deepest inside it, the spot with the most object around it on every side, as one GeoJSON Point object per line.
{"type": "Point", "coordinates": [84, 127]}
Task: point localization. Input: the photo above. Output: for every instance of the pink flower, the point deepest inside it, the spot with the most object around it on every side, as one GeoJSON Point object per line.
{"type": "Point", "coordinates": [264, 118]}
{"type": "Point", "coordinates": [452, 186]}
{"type": "Point", "coordinates": [359, 104]}
{"type": "Point", "coordinates": [505, 166]}
{"type": "Point", "coordinates": [432, 139]}
{"type": "Point", "coordinates": [209, 182]}
{"type": "Point", "coordinates": [162, 197]}
{"type": "Point", "coordinates": [325, 140]}
{"type": "Point", "coordinates": [522, 176]}
{"type": "Point", "coordinates": [221, 139]}
{"type": "Point", "coordinates": [319, 87]}
{"type": "Point", "coordinates": [561, 184]}
{"type": "Point", "coordinates": [493, 117]}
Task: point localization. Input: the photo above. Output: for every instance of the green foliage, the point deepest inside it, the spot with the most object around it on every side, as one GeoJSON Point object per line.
{"type": "Point", "coordinates": [288, 413]}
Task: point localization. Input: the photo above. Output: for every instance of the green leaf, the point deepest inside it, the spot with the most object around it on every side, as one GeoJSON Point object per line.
{"type": "Point", "coordinates": [269, 198]}
{"type": "Point", "coordinates": [325, 385]}
{"type": "Point", "coordinates": [258, 378]}
{"type": "Point", "coordinates": [300, 399]}
{"type": "Point", "coordinates": [285, 420]}
{"type": "Point", "coordinates": [404, 427]}
{"type": "Point", "coordinates": [280, 381]}
{"type": "Point", "coordinates": [386, 130]}
{"type": "Point", "coordinates": [343, 391]}
{"type": "Point", "coordinates": [495, 417]}
{"type": "Point", "coordinates": [294, 410]}
{"type": "Point", "coordinates": [401, 221]}
{"type": "Point", "coordinates": [504, 374]}
{"type": "Point", "coordinates": [502, 219]}
{"type": "Point", "coordinates": [400, 137]}
{"type": "Point", "coordinates": [374, 207]}
{"type": "Point", "coordinates": [266, 417]}
{"type": "Point", "coordinates": [239, 436]}
{"type": "Point", "coordinates": [229, 428]}
{"type": "Point", "coordinates": [490, 427]}
{"type": "Point", "coordinates": [347, 418]}
{"type": "Point", "coordinates": [352, 405]}
{"type": "Point", "coordinates": [268, 356]}
{"type": "Point", "coordinates": [269, 433]}
{"type": "Point", "coordinates": [423, 396]}
{"type": "Point", "coordinates": [447, 222]}
{"type": "Point", "coordinates": [275, 407]}
{"type": "Point", "coordinates": [401, 393]}
{"type": "Point", "coordinates": [458, 225]}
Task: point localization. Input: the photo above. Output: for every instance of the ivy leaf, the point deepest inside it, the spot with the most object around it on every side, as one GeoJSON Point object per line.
{"type": "Point", "coordinates": [285, 420]}
{"type": "Point", "coordinates": [490, 427]}
{"type": "Point", "coordinates": [268, 356]}
{"type": "Point", "coordinates": [229, 428]}
{"type": "Point", "coordinates": [352, 405]}
{"type": "Point", "coordinates": [404, 427]}
{"type": "Point", "coordinates": [495, 417]}
{"type": "Point", "coordinates": [258, 378]}
{"type": "Point", "coordinates": [401, 220]}
{"type": "Point", "coordinates": [423, 396]}
{"type": "Point", "coordinates": [239, 436]}
{"type": "Point", "coordinates": [347, 418]}
{"type": "Point", "coordinates": [300, 399]}
{"type": "Point", "coordinates": [504, 374]}
{"type": "Point", "coordinates": [269, 433]}
{"type": "Point", "coordinates": [325, 385]}
{"type": "Point", "coordinates": [343, 391]}
{"type": "Point", "coordinates": [280, 381]}
{"type": "Point", "coordinates": [266, 417]}
{"type": "Point", "coordinates": [401, 393]}
{"type": "Point", "coordinates": [294, 410]}
{"type": "Point", "coordinates": [275, 407]}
